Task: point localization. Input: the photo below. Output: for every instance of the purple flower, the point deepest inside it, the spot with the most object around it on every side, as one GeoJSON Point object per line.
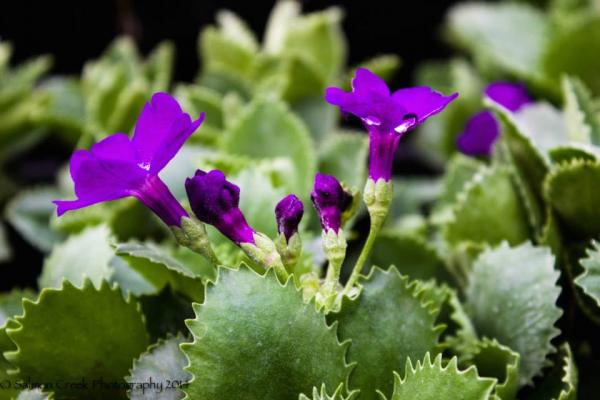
{"type": "Point", "coordinates": [480, 134]}
{"type": "Point", "coordinates": [512, 96]}
{"type": "Point", "coordinates": [289, 212]}
{"type": "Point", "coordinates": [215, 201]}
{"type": "Point", "coordinates": [330, 200]}
{"type": "Point", "coordinates": [118, 167]}
{"type": "Point", "coordinates": [482, 129]}
{"type": "Point", "coordinates": [386, 116]}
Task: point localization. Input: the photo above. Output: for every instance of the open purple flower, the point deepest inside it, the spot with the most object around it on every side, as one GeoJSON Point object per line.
{"type": "Point", "coordinates": [289, 212]}
{"type": "Point", "coordinates": [215, 201]}
{"type": "Point", "coordinates": [482, 130]}
{"type": "Point", "coordinates": [480, 134]}
{"type": "Point", "coordinates": [386, 116]}
{"type": "Point", "coordinates": [330, 200]}
{"type": "Point", "coordinates": [118, 167]}
{"type": "Point", "coordinates": [511, 96]}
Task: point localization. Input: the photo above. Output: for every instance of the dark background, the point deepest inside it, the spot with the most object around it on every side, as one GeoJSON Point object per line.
{"type": "Point", "coordinates": [74, 32]}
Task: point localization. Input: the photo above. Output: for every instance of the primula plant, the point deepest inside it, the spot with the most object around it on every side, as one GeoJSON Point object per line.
{"type": "Point", "coordinates": [248, 236]}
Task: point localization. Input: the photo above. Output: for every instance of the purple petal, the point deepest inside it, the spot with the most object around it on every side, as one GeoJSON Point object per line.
{"type": "Point", "coordinates": [330, 200]}
{"type": "Point", "coordinates": [480, 134]}
{"type": "Point", "coordinates": [367, 83]}
{"type": "Point", "coordinates": [155, 195]}
{"type": "Point", "coordinates": [62, 206]}
{"type": "Point", "coordinates": [161, 130]}
{"type": "Point", "coordinates": [422, 101]}
{"type": "Point", "coordinates": [382, 148]}
{"type": "Point", "coordinates": [289, 212]}
{"type": "Point", "coordinates": [512, 96]}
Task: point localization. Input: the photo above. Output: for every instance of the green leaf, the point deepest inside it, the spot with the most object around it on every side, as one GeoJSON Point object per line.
{"type": "Point", "coordinates": [68, 326]}
{"type": "Point", "coordinates": [567, 153]}
{"type": "Point", "coordinates": [337, 395]}
{"type": "Point", "coordinates": [560, 383]}
{"type": "Point", "coordinates": [509, 36]}
{"type": "Point", "coordinates": [268, 129]}
{"type": "Point", "coordinates": [160, 269]}
{"type": "Point", "coordinates": [11, 303]}
{"type": "Point", "coordinates": [158, 68]}
{"type": "Point", "coordinates": [589, 279]}
{"type": "Point", "coordinates": [571, 51]}
{"type": "Point", "coordinates": [571, 190]}
{"type": "Point", "coordinates": [580, 113]}
{"type": "Point", "coordinates": [384, 66]}
{"type": "Point", "coordinates": [459, 171]}
{"type": "Point", "coordinates": [34, 394]}
{"type": "Point", "coordinates": [411, 255]}
{"type": "Point", "coordinates": [162, 364]}
{"type": "Point", "coordinates": [497, 361]}
{"type": "Point", "coordinates": [29, 213]}
{"type": "Point", "coordinates": [219, 52]}
{"type": "Point", "coordinates": [252, 323]}
{"type": "Point", "coordinates": [544, 124]}
{"type": "Point", "coordinates": [282, 16]}
{"type": "Point", "coordinates": [475, 221]}
{"type": "Point", "coordinates": [389, 322]}
{"type": "Point", "coordinates": [432, 381]}
{"type": "Point", "coordinates": [512, 297]}
{"type": "Point", "coordinates": [86, 255]}
{"type": "Point", "coordinates": [169, 312]}
{"type": "Point", "coordinates": [344, 155]}
{"type": "Point", "coordinates": [235, 29]}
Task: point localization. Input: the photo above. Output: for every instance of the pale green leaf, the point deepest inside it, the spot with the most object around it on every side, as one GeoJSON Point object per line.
{"type": "Point", "coordinates": [581, 115]}
{"type": "Point", "coordinates": [589, 279]}
{"type": "Point", "coordinates": [344, 155]}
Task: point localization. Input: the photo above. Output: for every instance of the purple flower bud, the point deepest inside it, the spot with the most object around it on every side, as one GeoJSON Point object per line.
{"type": "Point", "coordinates": [481, 132]}
{"type": "Point", "coordinates": [511, 96]}
{"type": "Point", "coordinates": [289, 212]}
{"type": "Point", "coordinates": [386, 116]}
{"type": "Point", "coordinates": [215, 201]}
{"type": "Point", "coordinates": [118, 167]}
{"type": "Point", "coordinates": [330, 200]}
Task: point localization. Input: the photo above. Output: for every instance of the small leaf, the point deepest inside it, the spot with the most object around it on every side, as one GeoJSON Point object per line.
{"type": "Point", "coordinates": [344, 155]}
{"type": "Point", "coordinates": [339, 394]}
{"type": "Point", "coordinates": [252, 323]}
{"type": "Point", "coordinates": [560, 383]}
{"type": "Point", "coordinates": [162, 364]}
{"type": "Point", "coordinates": [571, 190]}
{"type": "Point", "coordinates": [235, 29]}
{"type": "Point", "coordinates": [86, 255]}
{"type": "Point", "coordinates": [268, 129]}
{"type": "Point", "coordinates": [567, 153]}
{"type": "Point", "coordinates": [497, 361]}
{"type": "Point", "coordinates": [475, 221]}
{"type": "Point", "coordinates": [459, 171]}
{"type": "Point", "coordinates": [221, 53]}
{"type": "Point", "coordinates": [580, 113]}
{"type": "Point", "coordinates": [74, 323]}
{"type": "Point", "coordinates": [29, 213]}
{"type": "Point", "coordinates": [432, 381]}
{"type": "Point", "coordinates": [512, 297]}
{"type": "Point", "coordinates": [589, 279]}
{"type": "Point", "coordinates": [34, 394]}
{"type": "Point", "coordinates": [387, 324]}
{"type": "Point", "coordinates": [11, 303]}
{"type": "Point", "coordinates": [544, 124]}
{"type": "Point", "coordinates": [282, 16]}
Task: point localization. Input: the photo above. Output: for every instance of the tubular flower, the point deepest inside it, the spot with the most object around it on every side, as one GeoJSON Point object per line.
{"type": "Point", "coordinates": [289, 212]}
{"type": "Point", "coordinates": [330, 200]}
{"type": "Point", "coordinates": [482, 130]}
{"type": "Point", "coordinates": [118, 167]}
{"type": "Point", "coordinates": [386, 116]}
{"type": "Point", "coordinates": [215, 201]}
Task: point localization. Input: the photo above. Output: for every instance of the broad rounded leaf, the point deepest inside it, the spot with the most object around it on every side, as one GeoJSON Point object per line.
{"type": "Point", "coordinates": [512, 297]}
{"type": "Point", "coordinates": [68, 326]}
{"type": "Point", "coordinates": [256, 339]}
{"type": "Point", "coordinates": [389, 322]}
{"type": "Point", "coordinates": [429, 380]}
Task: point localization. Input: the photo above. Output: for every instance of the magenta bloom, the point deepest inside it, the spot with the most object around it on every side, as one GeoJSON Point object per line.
{"type": "Point", "coordinates": [386, 116]}
{"type": "Point", "coordinates": [118, 167]}
{"type": "Point", "coordinates": [480, 135]}
{"type": "Point", "coordinates": [330, 200]}
{"type": "Point", "coordinates": [482, 129]}
{"type": "Point", "coordinates": [289, 212]}
{"type": "Point", "coordinates": [512, 96]}
{"type": "Point", "coordinates": [215, 201]}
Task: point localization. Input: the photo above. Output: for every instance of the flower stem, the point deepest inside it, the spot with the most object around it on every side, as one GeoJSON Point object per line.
{"type": "Point", "coordinates": [362, 258]}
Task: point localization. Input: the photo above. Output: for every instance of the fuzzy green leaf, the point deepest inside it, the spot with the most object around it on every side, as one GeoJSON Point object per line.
{"type": "Point", "coordinates": [29, 213]}
{"type": "Point", "coordinates": [581, 115]}
{"type": "Point", "coordinates": [86, 255]}
{"type": "Point", "coordinates": [161, 364]}
{"type": "Point", "coordinates": [589, 279]}
{"type": "Point", "coordinates": [252, 323]}
{"type": "Point", "coordinates": [344, 155]}
{"type": "Point", "coordinates": [572, 191]}
{"type": "Point", "coordinates": [11, 303]}
{"type": "Point", "coordinates": [34, 394]}
{"type": "Point", "coordinates": [69, 326]}
{"type": "Point", "coordinates": [339, 394]}
{"type": "Point", "coordinates": [512, 297]}
{"type": "Point", "coordinates": [497, 361]}
{"type": "Point", "coordinates": [388, 323]}
{"type": "Point", "coordinates": [429, 380]}
{"type": "Point", "coordinates": [475, 221]}
{"type": "Point", "coordinates": [268, 130]}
